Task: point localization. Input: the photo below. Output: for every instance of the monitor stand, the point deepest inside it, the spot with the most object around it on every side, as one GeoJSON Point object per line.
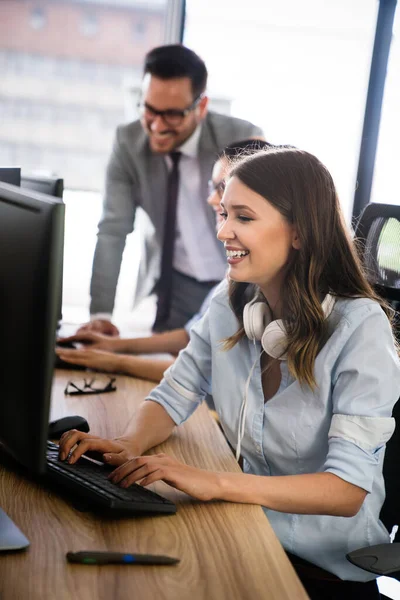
{"type": "Point", "coordinates": [11, 537]}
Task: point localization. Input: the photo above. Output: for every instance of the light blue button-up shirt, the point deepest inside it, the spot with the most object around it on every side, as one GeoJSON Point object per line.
{"type": "Point", "coordinates": [341, 427]}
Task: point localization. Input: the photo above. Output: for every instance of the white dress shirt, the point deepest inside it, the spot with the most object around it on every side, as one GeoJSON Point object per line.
{"type": "Point", "coordinates": [196, 246]}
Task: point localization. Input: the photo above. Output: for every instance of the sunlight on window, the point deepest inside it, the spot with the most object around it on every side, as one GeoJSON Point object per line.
{"type": "Point", "coordinates": [298, 69]}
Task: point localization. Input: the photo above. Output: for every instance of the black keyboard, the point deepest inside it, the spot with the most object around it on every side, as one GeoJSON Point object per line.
{"type": "Point", "coordinates": [87, 480]}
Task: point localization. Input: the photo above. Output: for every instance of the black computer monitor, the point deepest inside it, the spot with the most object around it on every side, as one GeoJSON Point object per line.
{"type": "Point", "coordinates": [54, 186]}
{"type": "Point", "coordinates": [31, 253]}
{"type": "Point", "coordinates": [10, 175]}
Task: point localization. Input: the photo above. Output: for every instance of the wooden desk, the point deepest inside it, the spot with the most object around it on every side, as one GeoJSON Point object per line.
{"type": "Point", "coordinates": [228, 551]}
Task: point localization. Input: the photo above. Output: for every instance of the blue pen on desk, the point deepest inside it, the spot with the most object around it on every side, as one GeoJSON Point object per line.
{"type": "Point", "coordinates": [89, 557]}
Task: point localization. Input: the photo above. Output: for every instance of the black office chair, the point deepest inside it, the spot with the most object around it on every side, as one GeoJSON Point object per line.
{"type": "Point", "coordinates": [378, 232]}
{"type": "Point", "coordinates": [53, 186]}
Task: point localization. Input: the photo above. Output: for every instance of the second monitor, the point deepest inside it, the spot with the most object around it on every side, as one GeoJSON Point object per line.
{"type": "Point", "coordinates": [11, 175]}
{"type": "Point", "coordinates": [53, 186]}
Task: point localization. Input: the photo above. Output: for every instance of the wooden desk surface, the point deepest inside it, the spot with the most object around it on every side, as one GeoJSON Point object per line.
{"type": "Point", "coordinates": [227, 551]}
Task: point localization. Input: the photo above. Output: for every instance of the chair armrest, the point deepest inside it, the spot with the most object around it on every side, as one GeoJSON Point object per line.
{"type": "Point", "coordinates": [381, 559]}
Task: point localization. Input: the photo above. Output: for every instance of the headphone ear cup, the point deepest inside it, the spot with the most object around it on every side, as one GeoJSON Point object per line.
{"type": "Point", "coordinates": [274, 340]}
{"type": "Point", "coordinates": [328, 305]}
{"type": "Point", "coordinates": [256, 316]}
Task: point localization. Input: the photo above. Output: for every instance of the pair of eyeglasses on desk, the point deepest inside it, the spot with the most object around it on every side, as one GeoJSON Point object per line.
{"type": "Point", "coordinates": [90, 386]}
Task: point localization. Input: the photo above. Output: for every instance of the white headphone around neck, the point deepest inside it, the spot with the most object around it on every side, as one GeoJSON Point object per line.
{"type": "Point", "coordinates": [258, 326]}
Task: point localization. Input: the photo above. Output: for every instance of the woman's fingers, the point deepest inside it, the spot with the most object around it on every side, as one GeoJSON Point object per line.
{"type": "Point", "coordinates": [157, 475]}
{"type": "Point", "coordinates": [137, 468]}
{"type": "Point", "coordinates": [125, 469]}
{"type": "Point", "coordinates": [68, 441]}
{"type": "Point", "coordinates": [135, 476]}
{"type": "Point", "coordinates": [97, 445]}
{"type": "Point", "coordinates": [71, 355]}
{"type": "Point", "coordinates": [92, 357]}
{"type": "Point", "coordinates": [80, 443]}
{"type": "Point", "coordinates": [84, 337]}
{"type": "Point", "coordinates": [115, 459]}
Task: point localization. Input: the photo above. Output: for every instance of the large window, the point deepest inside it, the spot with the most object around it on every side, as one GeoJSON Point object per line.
{"type": "Point", "coordinates": [297, 68]}
{"type": "Point", "coordinates": [66, 70]}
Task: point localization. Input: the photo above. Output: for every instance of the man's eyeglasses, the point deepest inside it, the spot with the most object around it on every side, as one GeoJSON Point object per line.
{"type": "Point", "coordinates": [216, 187]}
{"type": "Point", "coordinates": [92, 386]}
{"type": "Point", "coordinates": [171, 116]}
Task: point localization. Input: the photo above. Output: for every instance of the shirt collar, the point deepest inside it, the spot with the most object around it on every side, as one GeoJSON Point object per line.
{"type": "Point", "coordinates": [190, 146]}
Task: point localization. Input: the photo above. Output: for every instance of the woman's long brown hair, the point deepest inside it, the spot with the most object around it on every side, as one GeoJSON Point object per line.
{"type": "Point", "coordinates": [298, 185]}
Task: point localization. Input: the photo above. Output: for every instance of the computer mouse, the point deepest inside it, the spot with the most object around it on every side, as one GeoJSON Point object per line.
{"type": "Point", "coordinates": [382, 558]}
{"type": "Point", "coordinates": [60, 426]}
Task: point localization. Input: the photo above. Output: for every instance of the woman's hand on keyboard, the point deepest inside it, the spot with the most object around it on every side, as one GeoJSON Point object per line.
{"type": "Point", "coordinates": [198, 483]}
{"type": "Point", "coordinates": [74, 443]}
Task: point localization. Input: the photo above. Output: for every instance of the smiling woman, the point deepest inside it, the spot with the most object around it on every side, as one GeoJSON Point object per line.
{"type": "Point", "coordinates": [310, 421]}
{"type": "Point", "coordinates": [257, 238]}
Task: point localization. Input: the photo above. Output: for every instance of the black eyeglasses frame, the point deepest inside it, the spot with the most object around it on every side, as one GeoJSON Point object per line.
{"type": "Point", "coordinates": [88, 389]}
{"type": "Point", "coordinates": [170, 116]}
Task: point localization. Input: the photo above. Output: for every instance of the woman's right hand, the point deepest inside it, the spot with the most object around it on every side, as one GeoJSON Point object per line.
{"type": "Point", "coordinates": [114, 452]}
{"type": "Point", "coordinates": [97, 341]}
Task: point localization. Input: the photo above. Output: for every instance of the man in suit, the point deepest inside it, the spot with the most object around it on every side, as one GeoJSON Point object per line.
{"type": "Point", "coordinates": [168, 153]}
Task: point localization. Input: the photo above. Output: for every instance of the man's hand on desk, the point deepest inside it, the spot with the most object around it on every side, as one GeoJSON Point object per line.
{"type": "Point", "coordinates": [200, 484]}
{"type": "Point", "coordinates": [120, 449]}
{"type": "Point", "coordinates": [100, 326]}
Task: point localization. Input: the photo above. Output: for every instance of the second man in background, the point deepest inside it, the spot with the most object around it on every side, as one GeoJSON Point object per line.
{"type": "Point", "coordinates": [162, 163]}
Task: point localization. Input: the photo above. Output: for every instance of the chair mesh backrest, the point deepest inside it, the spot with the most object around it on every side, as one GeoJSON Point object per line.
{"type": "Point", "coordinates": [378, 231]}
{"type": "Point", "coordinates": [381, 253]}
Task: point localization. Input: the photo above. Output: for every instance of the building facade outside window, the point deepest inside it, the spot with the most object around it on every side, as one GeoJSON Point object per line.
{"type": "Point", "coordinates": [64, 66]}
{"type": "Point", "coordinates": [37, 18]}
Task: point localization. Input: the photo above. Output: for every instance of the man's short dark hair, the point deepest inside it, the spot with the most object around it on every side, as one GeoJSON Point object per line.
{"type": "Point", "coordinates": [175, 60]}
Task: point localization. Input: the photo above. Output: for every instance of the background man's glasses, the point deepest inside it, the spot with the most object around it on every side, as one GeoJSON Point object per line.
{"type": "Point", "coordinates": [216, 187]}
{"type": "Point", "coordinates": [171, 116]}
{"type": "Point", "coordinates": [91, 386]}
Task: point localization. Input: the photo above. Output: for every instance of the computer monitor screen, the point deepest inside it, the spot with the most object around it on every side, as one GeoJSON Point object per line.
{"type": "Point", "coordinates": [10, 175]}
{"type": "Point", "coordinates": [53, 186]}
{"type": "Point", "coordinates": [31, 250]}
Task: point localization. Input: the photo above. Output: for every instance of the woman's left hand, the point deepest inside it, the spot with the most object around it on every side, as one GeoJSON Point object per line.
{"type": "Point", "coordinates": [200, 484]}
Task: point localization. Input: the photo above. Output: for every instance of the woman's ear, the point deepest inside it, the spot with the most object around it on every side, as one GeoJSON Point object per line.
{"type": "Point", "coordinates": [296, 239]}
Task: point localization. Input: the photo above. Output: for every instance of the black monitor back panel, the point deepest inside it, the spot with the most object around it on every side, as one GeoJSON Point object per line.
{"type": "Point", "coordinates": [11, 175]}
